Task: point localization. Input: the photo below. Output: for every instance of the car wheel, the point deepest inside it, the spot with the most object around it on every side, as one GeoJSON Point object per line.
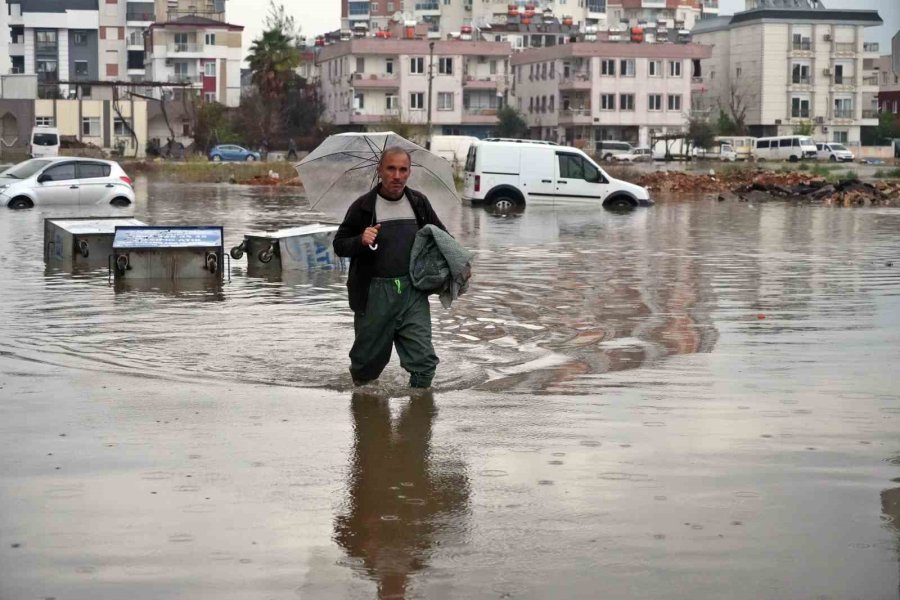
{"type": "Point", "coordinates": [608, 157]}
{"type": "Point", "coordinates": [216, 158]}
{"type": "Point", "coordinates": [620, 203]}
{"type": "Point", "coordinates": [251, 158]}
{"type": "Point", "coordinates": [20, 203]}
{"type": "Point", "coordinates": [832, 158]}
{"type": "Point", "coordinates": [120, 202]}
{"type": "Point", "coordinates": [503, 203]}
{"type": "Point", "coordinates": [793, 158]}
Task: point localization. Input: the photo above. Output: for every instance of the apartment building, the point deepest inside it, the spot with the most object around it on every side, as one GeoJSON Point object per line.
{"type": "Point", "coordinates": [197, 53]}
{"type": "Point", "coordinates": [447, 17]}
{"type": "Point", "coordinates": [586, 92]}
{"type": "Point", "coordinates": [793, 65]}
{"type": "Point", "coordinates": [365, 82]}
{"type": "Point", "coordinates": [888, 72]}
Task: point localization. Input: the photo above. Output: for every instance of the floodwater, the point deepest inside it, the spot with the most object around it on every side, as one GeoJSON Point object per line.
{"type": "Point", "coordinates": [696, 400]}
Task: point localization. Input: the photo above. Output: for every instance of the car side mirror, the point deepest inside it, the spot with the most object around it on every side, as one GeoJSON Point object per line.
{"type": "Point", "coordinates": [44, 177]}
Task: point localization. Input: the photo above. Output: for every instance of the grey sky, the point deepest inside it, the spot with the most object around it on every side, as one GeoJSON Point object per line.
{"type": "Point", "coordinates": [318, 16]}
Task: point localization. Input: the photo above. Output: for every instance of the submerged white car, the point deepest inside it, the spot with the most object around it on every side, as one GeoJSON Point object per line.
{"type": "Point", "coordinates": [640, 154]}
{"type": "Point", "coordinates": [65, 181]}
{"type": "Point", "coordinates": [833, 152]}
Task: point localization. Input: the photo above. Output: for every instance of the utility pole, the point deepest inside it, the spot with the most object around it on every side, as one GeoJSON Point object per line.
{"type": "Point", "coordinates": [430, 78]}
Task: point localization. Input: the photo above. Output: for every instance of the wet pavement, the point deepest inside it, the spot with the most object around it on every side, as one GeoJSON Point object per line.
{"type": "Point", "coordinates": [691, 401]}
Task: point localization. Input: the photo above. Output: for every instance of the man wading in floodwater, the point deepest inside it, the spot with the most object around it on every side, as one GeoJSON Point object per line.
{"type": "Point", "coordinates": [377, 234]}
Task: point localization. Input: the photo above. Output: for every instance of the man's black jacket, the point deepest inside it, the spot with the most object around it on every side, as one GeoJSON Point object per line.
{"type": "Point", "coordinates": [348, 240]}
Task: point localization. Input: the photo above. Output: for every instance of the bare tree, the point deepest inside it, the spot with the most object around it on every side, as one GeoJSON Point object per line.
{"type": "Point", "coordinates": [735, 106]}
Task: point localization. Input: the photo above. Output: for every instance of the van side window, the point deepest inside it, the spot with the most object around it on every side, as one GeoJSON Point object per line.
{"type": "Point", "coordinates": [61, 172]}
{"type": "Point", "coordinates": [785, 143]}
{"type": "Point", "coordinates": [571, 166]}
{"type": "Point", "coordinates": [762, 144]}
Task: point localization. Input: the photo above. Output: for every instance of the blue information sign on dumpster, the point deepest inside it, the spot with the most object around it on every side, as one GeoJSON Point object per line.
{"type": "Point", "coordinates": [167, 237]}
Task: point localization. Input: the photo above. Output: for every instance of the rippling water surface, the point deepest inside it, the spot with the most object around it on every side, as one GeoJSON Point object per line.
{"type": "Point", "coordinates": [692, 401]}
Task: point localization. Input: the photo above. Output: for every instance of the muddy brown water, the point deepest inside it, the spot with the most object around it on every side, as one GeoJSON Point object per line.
{"type": "Point", "coordinates": [698, 400]}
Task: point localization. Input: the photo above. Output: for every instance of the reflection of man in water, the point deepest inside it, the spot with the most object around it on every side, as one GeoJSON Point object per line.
{"type": "Point", "coordinates": [401, 497]}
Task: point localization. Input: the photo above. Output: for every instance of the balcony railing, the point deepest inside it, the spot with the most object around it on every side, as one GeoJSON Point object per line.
{"type": "Point", "coordinates": [428, 6]}
{"type": "Point", "coordinates": [869, 113]}
{"type": "Point", "coordinates": [574, 112]}
{"type": "Point", "coordinates": [800, 114]}
{"type": "Point", "coordinates": [870, 47]}
{"type": "Point", "coordinates": [179, 47]}
{"type": "Point", "coordinates": [46, 48]}
{"type": "Point", "coordinates": [844, 47]}
{"type": "Point", "coordinates": [804, 45]}
{"type": "Point", "coordinates": [843, 113]}
{"type": "Point", "coordinates": [139, 16]}
{"type": "Point", "coordinates": [871, 80]}
{"type": "Point", "coordinates": [800, 80]}
{"type": "Point", "coordinates": [184, 79]}
{"type": "Point", "coordinates": [480, 112]}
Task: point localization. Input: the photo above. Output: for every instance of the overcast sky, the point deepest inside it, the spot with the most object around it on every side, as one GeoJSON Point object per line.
{"type": "Point", "coordinates": [319, 16]}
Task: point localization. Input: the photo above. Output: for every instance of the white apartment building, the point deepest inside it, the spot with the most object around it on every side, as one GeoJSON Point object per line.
{"type": "Point", "coordinates": [201, 53]}
{"type": "Point", "coordinates": [586, 92]}
{"type": "Point", "coordinates": [792, 66]}
{"type": "Point", "coordinates": [447, 17]}
{"type": "Point", "coordinates": [365, 82]}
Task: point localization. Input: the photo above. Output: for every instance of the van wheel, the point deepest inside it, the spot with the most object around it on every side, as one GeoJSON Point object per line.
{"type": "Point", "coordinates": [608, 158]}
{"type": "Point", "coordinates": [620, 203]}
{"type": "Point", "coordinates": [503, 203]}
{"type": "Point", "coordinates": [832, 158]}
{"type": "Point", "coordinates": [20, 203]}
{"type": "Point", "coordinates": [120, 202]}
{"type": "Point", "coordinates": [793, 158]}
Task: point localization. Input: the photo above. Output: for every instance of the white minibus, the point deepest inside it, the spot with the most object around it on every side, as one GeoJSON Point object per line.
{"type": "Point", "coordinates": [784, 147]}
{"type": "Point", "coordinates": [44, 142]}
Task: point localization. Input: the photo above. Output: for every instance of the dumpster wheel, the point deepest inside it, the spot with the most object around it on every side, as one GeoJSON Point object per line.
{"type": "Point", "coordinates": [83, 248]}
{"type": "Point", "coordinates": [121, 264]}
{"type": "Point", "coordinates": [265, 256]}
{"type": "Point", "coordinates": [212, 262]}
{"type": "Point", "coordinates": [238, 251]}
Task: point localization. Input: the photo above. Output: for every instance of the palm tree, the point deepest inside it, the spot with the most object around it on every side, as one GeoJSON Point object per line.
{"type": "Point", "coordinates": [273, 58]}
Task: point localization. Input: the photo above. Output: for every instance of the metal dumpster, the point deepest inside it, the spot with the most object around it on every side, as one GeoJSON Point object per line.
{"type": "Point", "coordinates": [168, 253]}
{"type": "Point", "coordinates": [81, 243]}
{"type": "Point", "coordinates": [296, 249]}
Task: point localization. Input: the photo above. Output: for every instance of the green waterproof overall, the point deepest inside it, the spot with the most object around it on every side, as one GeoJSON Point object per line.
{"type": "Point", "coordinates": [396, 313]}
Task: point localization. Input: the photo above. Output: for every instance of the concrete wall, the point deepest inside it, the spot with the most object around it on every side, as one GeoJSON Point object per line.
{"type": "Point", "coordinates": [16, 122]}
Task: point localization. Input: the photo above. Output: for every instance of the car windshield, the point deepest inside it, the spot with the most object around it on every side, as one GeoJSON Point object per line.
{"type": "Point", "coordinates": [45, 139]}
{"type": "Point", "coordinates": [26, 169]}
{"type": "Point", "coordinates": [839, 147]}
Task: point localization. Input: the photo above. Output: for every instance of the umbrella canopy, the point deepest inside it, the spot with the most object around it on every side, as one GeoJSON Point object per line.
{"type": "Point", "coordinates": [343, 167]}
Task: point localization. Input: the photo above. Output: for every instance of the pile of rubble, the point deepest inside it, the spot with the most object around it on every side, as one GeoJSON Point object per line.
{"type": "Point", "coordinates": [759, 186]}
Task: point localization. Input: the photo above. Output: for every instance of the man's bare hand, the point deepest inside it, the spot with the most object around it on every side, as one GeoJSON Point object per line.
{"type": "Point", "coordinates": [369, 235]}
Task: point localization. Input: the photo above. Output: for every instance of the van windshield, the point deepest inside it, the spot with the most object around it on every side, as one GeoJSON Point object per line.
{"type": "Point", "coordinates": [839, 147]}
{"type": "Point", "coordinates": [25, 169]}
{"type": "Point", "coordinates": [807, 142]}
{"type": "Point", "coordinates": [45, 139]}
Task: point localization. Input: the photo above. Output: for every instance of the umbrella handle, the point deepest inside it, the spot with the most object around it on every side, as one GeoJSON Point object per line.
{"type": "Point", "coordinates": [373, 246]}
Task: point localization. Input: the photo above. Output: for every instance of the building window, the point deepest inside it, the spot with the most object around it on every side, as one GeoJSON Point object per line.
{"type": "Point", "coordinates": [79, 38]}
{"type": "Point", "coordinates": [608, 67]}
{"type": "Point", "coordinates": [626, 67]}
{"type": "Point", "coordinates": [90, 127]}
{"type": "Point", "coordinates": [674, 102]}
{"type": "Point", "coordinates": [81, 69]}
{"type": "Point", "coordinates": [654, 102]}
{"type": "Point", "coordinates": [838, 74]}
{"type": "Point", "coordinates": [45, 42]}
{"type": "Point", "coordinates": [626, 102]}
{"type": "Point", "coordinates": [607, 102]}
{"type": "Point", "coordinates": [800, 42]}
{"type": "Point", "coordinates": [492, 67]}
{"type": "Point", "coordinates": [654, 68]}
{"type": "Point", "coordinates": [390, 101]}
{"type": "Point", "coordinates": [359, 101]}
{"type": "Point", "coordinates": [674, 68]}
{"type": "Point", "coordinates": [120, 127]}
{"type": "Point", "coordinates": [445, 101]}
{"type": "Point", "coordinates": [799, 107]}
{"type": "Point", "coordinates": [360, 64]}
{"type": "Point", "coordinates": [800, 74]}
{"type": "Point", "coordinates": [389, 66]}
{"type": "Point", "coordinates": [45, 121]}
{"type": "Point", "coordinates": [445, 65]}
{"type": "Point", "coordinates": [209, 69]}
{"type": "Point", "coordinates": [46, 70]}
{"type": "Point", "coordinates": [417, 101]}
{"type": "Point", "coordinates": [840, 137]}
{"type": "Point", "coordinates": [209, 96]}
{"type": "Point", "coordinates": [210, 39]}
{"type": "Point", "coordinates": [417, 65]}
{"type": "Point", "coordinates": [843, 108]}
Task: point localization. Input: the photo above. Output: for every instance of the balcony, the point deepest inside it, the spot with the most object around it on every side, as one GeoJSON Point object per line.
{"type": "Point", "coordinates": [576, 81]}
{"type": "Point", "coordinates": [596, 9]}
{"type": "Point", "coordinates": [804, 80]}
{"type": "Point", "coordinates": [872, 81]}
{"type": "Point", "coordinates": [803, 113]}
{"type": "Point", "coordinates": [428, 9]}
{"type": "Point", "coordinates": [804, 45]}
{"type": "Point", "coordinates": [843, 48]}
{"type": "Point", "coordinates": [575, 116]}
{"type": "Point", "coordinates": [476, 116]}
{"type": "Point", "coordinates": [871, 47]}
{"type": "Point", "coordinates": [842, 113]}
{"type": "Point", "coordinates": [190, 79]}
{"type": "Point", "coordinates": [184, 48]}
{"type": "Point", "coordinates": [479, 83]}
{"type": "Point", "coordinates": [870, 113]}
{"type": "Point", "coordinates": [143, 17]}
{"type": "Point", "coordinates": [374, 81]}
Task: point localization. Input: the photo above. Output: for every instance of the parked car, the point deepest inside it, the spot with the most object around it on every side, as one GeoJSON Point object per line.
{"type": "Point", "coordinates": [640, 154]}
{"type": "Point", "coordinates": [507, 175]}
{"type": "Point", "coordinates": [232, 152]}
{"type": "Point", "coordinates": [833, 152]}
{"type": "Point", "coordinates": [44, 142]}
{"type": "Point", "coordinates": [65, 180]}
{"type": "Point", "coordinates": [608, 149]}
{"type": "Point", "coordinates": [785, 147]}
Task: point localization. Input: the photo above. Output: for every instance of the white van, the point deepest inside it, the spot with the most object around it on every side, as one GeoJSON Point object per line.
{"type": "Point", "coordinates": [510, 174]}
{"type": "Point", "coordinates": [453, 148]}
{"type": "Point", "coordinates": [609, 149]}
{"type": "Point", "coordinates": [44, 142]}
{"type": "Point", "coordinates": [741, 144]}
{"type": "Point", "coordinates": [784, 147]}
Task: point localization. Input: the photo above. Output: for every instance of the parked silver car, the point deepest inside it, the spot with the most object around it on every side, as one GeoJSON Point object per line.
{"type": "Point", "coordinates": [65, 180]}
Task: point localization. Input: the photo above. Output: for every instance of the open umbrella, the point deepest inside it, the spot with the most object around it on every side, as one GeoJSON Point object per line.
{"type": "Point", "coordinates": [343, 167]}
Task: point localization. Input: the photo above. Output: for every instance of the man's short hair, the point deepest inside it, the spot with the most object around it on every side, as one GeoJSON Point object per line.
{"type": "Point", "coordinates": [393, 150]}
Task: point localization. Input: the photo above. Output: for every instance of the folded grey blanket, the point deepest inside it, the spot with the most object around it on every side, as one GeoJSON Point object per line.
{"type": "Point", "coordinates": [439, 265]}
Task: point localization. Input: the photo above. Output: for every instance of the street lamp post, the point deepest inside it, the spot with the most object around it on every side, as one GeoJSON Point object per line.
{"type": "Point", "coordinates": [430, 79]}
